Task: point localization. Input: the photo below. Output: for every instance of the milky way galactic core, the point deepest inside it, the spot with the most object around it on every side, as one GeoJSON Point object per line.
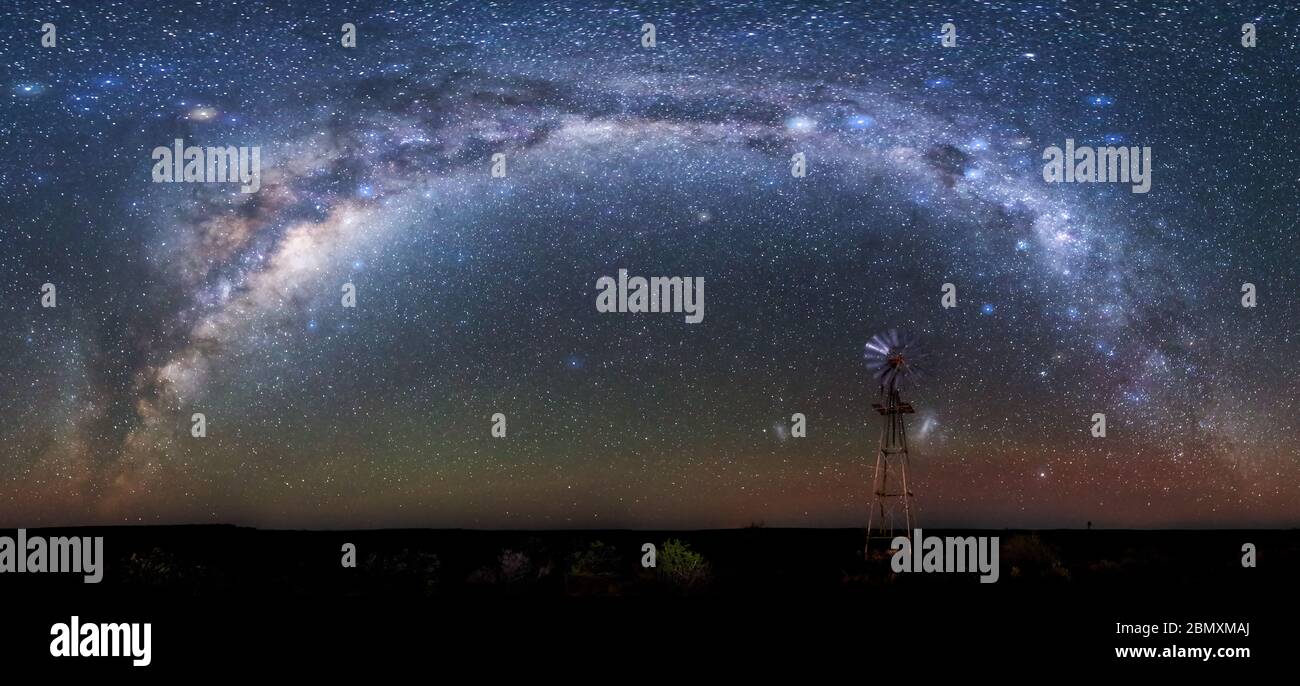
{"type": "Point", "coordinates": [597, 264]}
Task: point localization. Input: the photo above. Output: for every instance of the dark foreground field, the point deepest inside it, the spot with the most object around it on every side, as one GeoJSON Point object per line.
{"type": "Point", "coordinates": [224, 596]}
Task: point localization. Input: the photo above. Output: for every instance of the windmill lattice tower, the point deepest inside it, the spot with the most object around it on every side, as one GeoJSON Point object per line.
{"type": "Point", "coordinates": [892, 359]}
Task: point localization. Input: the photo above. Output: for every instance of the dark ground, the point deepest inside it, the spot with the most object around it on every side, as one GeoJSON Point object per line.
{"type": "Point", "coordinates": [227, 597]}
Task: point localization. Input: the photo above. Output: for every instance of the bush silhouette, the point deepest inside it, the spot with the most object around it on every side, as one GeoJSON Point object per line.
{"type": "Point", "coordinates": [682, 567]}
{"type": "Point", "coordinates": [513, 567]}
{"type": "Point", "coordinates": [596, 559]}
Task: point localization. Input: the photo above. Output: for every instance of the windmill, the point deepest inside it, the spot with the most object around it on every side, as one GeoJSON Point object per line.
{"type": "Point", "coordinates": [891, 357]}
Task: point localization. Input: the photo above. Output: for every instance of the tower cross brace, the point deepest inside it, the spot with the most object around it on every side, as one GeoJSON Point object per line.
{"type": "Point", "coordinates": [891, 490]}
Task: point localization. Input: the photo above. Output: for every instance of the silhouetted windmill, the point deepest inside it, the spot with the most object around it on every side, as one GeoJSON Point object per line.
{"type": "Point", "coordinates": [892, 358]}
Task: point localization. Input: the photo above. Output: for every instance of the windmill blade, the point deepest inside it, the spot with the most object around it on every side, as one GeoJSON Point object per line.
{"type": "Point", "coordinates": [892, 357]}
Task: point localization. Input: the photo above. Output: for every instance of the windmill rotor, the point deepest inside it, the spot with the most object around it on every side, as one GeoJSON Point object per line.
{"type": "Point", "coordinates": [892, 357]}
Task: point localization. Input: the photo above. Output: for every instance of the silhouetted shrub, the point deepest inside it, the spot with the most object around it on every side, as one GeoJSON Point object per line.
{"type": "Point", "coordinates": [596, 559]}
{"type": "Point", "coordinates": [682, 567]}
{"type": "Point", "coordinates": [406, 569]}
{"type": "Point", "coordinates": [154, 568]}
{"type": "Point", "coordinates": [1028, 557]}
{"type": "Point", "coordinates": [513, 567]}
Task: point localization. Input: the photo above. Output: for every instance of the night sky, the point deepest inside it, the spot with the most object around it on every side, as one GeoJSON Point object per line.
{"type": "Point", "coordinates": [476, 295]}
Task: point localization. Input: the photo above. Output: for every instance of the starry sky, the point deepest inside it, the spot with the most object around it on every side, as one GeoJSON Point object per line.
{"type": "Point", "coordinates": [476, 295]}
